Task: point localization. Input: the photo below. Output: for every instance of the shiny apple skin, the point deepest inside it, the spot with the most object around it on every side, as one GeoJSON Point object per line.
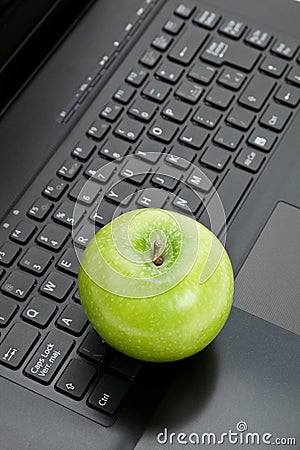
{"type": "Point", "coordinates": [171, 325]}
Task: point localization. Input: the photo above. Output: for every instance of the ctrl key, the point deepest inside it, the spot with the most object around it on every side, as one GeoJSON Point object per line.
{"type": "Point", "coordinates": [108, 394]}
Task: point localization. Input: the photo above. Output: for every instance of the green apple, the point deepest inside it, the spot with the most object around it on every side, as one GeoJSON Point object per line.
{"type": "Point", "coordinates": [156, 285]}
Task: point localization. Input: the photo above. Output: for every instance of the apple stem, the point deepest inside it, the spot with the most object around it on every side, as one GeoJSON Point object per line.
{"type": "Point", "coordinates": [157, 258]}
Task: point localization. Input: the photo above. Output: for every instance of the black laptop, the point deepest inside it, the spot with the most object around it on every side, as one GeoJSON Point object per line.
{"type": "Point", "coordinates": [114, 106]}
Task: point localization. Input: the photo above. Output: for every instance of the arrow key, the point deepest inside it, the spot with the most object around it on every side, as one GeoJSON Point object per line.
{"type": "Point", "coordinates": [73, 319]}
{"type": "Point", "coordinates": [76, 379]}
{"type": "Point", "coordinates": [273, 66]}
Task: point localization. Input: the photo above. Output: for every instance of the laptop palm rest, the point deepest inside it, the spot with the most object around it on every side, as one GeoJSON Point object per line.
{"type": "Point", "coordinates": [268, 284]}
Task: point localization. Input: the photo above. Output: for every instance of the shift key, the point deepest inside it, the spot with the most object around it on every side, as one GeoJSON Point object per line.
{"type": "Point", "coordinates": [222, 51]}
{"type": "Point", "coordinates": [49, 357]}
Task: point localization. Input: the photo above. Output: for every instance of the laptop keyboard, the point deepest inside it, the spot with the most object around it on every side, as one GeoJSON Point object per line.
{"type": "Point", "coordinates": [209, 94]}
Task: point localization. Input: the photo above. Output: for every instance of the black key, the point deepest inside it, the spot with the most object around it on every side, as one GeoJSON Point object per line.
{"type": "Point", "coordinates": [258, 38]}
{"type": "Point", "coordinates": [173, 26]}
{"type": "Point", "coordinates": [35, 260]}
{"type": "Point", "coordinates": [128, 129]}
{"type": "Point", "coordinates": [100, 170]}
{"type": "Point", "coordinates": [180, 157]}
{"type": "Point", "coordinates": [40, 209]}
{"type": "Point", "coordinates": [288, 95]}
{"type": "Point", "coordinates": [150, 58]}
{"type": "Point", "coordinates": [135, 171]}
{"type": "Point", "coordinates": [111, 111]}
{"type": "Point", "coordinates": [76, 296]}
{"type": "Point", "coordinates": [67, 215]}
{"type": "Point", "coordinates": [207, 117]}
{"type": "Point", "coordinates": [121, 193]}
{"type": "Point", "coordinates": [207, 19]}
{"type": "Point", "coordinates": [187, 201]}
{"type": "Point", "coordinates": [220, 98]}
{"type": "Point", "coordinates": [98, 129]}
{"type": "Point", "coordinates": [184, 10]}
{"type": "Point", "coordinates": [163, 131]}
{"type": "Point", "coordinates": [228, 138]}
{"type": "Point", "coordinates": [167, 178]}
{"type": "Point", "coordinates": [149, 151]}
{"type": "Point", "coordinates": [152, 198]}
{"type": "Point", "coordinates": [84, 235]}
{"type": "Point", "coordinates": [114, 149]}
{"type": "Point", "coordinates": [221, 51]}
{"type": "Point", "coordinates": [216, 158]}
{"type": "Point", "coordinates": [202, 72]}
{"type": "Point", "coordinates": [273, 66]}
{"type": "Point", "coordinates": [250, 160]}
{"type": "Point", "coordinates": [55, 189]}
{"type": "Point", "coordinates": [188, 45]}
{"type": "Point", "coordinates": [52, 237]}
{"type": "Point", "coordinates": [129, 367]}
{"type": "Point", "coordinates": [262, 139]}
{"type": "Point", "coordinates": [257, 92]}
{"type": "Point", "coordinates": [18, 285]}
{"type": "Point", "coordinates": [48, 358]}
{"type": "Point", "coordinates": [233, 28]}
{"type": "Point", "coordinates": [103, 213]}
{"type": "Point", "coordinates": [39, 312]}
{"type": "Point", "coordinates": [23, 232]}
{"type": "Point", "coordinates": [156, 91]}
{"type": "Point", "coordinates": [68, 262]}
{"type": "Point", "coordinates": [17, 344]}
{"type": "Point", "coordinates": [76, 379]}
{"type": "Point", "coordinates": [240, 118]}
{"type": "Point", "coordinates": [8, 253]}
{"type": "Point", "coordinates": [142, 110]}
{"type": "Point", "coordinates": [198, 180]}
{"type": "Point", "coordinates": [137, 76]}
{"type": "Point", "coordinates": [284, 49]}
{"type": "Point", "coordinates": [275, 117]}
{"type": "Point", "coordinates": [169, 72]}
{"type": "Point", "coordinates": [294, 76]}
{"type": "Point", "coordinates": [108, 394]}
{"type": "Point", "coordinates": [176, 111]}
{"type": "Point", "coordinates": [162, 42]}
{"type": "Point", "coordinates": [232, 78]}
{"type": "Point", "coordinates": [189, 92]}
{"type": "Point", "coordinates": [94, 347]}
{"type": "Point", "coordinates": [124, 94]}
{"type": "Point", "coordinates": [73, 319]}
{"type": "Point", "coordinates": [7, 310]}
{"type": "Point", "coordinates": [56, 286]}
{"type": "Point", "coordinates": [193, 136]}
{"type": "Point", "coordinates": [69, 169]}
{"type": "Point", "coordinates": [231, 191]}
{"type": "Point", "coordinates": [84, 192]}
{"type": "Point", "coordinates": [83, 150]}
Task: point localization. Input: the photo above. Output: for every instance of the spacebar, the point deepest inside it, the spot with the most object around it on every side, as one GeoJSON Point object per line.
{"type": "Point", "coordinates": [231, 191]}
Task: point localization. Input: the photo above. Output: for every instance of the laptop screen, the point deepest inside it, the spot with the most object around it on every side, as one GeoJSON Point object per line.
{"type": "Point", "coordinates": [17, 19]}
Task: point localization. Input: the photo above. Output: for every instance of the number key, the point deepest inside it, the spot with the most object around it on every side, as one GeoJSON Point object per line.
{"type": "Point", "coordinates": [35, 260]}
{"type": "Point", "coordinates": [52, 237]}
{"type": "Point", "coordinates": [18, 285]}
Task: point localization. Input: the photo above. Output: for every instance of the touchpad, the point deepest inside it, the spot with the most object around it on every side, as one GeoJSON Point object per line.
{"type": "Point", "coordinates": [268, 284]}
